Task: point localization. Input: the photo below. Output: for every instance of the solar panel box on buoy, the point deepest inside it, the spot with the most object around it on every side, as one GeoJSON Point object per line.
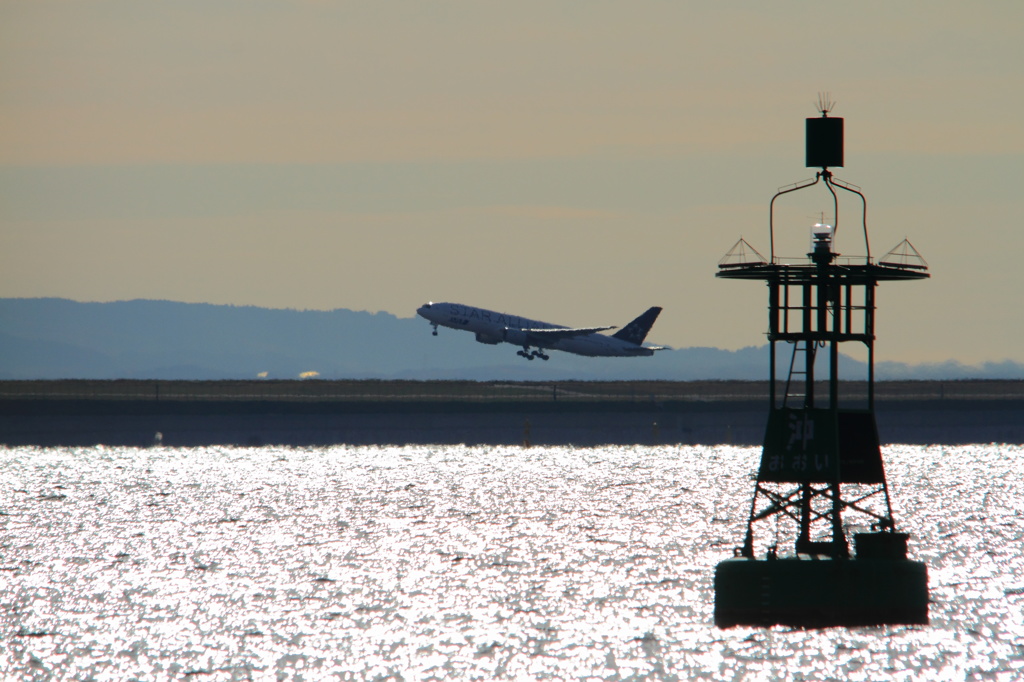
{"type": "Point", "coordinates": [824, 142]}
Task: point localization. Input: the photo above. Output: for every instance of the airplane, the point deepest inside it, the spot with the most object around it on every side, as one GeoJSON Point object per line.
{"type": "Point", "coordinates": [493, 328]}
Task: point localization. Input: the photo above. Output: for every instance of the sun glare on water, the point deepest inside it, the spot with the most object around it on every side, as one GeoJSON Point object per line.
{"type": "Point", "coordinates": [452, 562]}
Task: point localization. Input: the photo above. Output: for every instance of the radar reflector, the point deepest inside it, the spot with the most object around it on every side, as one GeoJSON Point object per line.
{"type": "Point", "coordinates": [904, 255]}
{"type": "Point", "coordinates": [741, 253]}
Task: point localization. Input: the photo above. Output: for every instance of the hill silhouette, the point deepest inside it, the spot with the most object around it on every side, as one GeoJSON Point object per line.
{"type": "Point", "coordinates": [51, 338]}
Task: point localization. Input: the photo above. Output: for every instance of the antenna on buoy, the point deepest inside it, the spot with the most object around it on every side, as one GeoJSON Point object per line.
{"type": "Point", "coordinates": [825, 103]}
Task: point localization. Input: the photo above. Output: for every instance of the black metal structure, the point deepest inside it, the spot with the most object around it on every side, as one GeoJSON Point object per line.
{"type": "Point", "coordinates": [821, 460]}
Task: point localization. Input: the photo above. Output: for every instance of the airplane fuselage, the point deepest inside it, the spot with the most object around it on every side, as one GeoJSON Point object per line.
{"type": "Point", "coordinates": [492, 327]}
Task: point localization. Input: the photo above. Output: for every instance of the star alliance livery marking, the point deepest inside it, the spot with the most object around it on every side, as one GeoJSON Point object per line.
{"type": "Point", "coordinates": [493, 328]}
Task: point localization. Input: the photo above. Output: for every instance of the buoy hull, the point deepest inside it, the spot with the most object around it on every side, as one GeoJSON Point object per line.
{"type": "Point", "coordinates": [820, 593]}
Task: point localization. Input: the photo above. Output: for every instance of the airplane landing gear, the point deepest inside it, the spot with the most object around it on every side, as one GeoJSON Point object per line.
{"type": "Point", "coordinates": [526, 353]}
{"type": "Point", "coordinates": [434, 325]}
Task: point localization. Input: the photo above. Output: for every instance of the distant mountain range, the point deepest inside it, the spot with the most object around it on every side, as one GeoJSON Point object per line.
{"type": "Point", "coordinates": [50, 338]}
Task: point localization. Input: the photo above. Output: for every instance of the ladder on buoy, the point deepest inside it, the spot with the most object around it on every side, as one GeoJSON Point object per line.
{"type": "Point", "coordinates": [796, 370]}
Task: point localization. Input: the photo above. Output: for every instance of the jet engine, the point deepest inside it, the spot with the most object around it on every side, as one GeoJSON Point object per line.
{"type": "Point", "coordinates": [484, 338]}
{"type": "Point", "coordinates": [515, 336]}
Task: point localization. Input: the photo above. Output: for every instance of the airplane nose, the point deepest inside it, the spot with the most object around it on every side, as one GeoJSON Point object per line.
{"type": "Point", "coordinates": [421, 311]}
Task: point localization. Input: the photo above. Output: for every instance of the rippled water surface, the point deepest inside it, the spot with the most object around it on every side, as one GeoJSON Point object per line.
{"type": "Point", "coordinates": [420, 563]}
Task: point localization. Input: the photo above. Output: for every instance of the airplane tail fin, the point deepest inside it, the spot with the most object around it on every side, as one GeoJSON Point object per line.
{"type": "Point", "coordinates": [636, 331]}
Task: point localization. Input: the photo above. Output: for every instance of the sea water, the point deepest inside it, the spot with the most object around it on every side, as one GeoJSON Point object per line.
{"type": "Point", "coordinates": [475, 563]}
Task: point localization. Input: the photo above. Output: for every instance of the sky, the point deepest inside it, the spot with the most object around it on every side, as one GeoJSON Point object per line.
{"type": "Point", "coordinates": [573, 162]}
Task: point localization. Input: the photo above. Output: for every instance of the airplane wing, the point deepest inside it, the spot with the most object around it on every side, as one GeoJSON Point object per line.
{"type": "Point", "coordinates": [552, 335]}
{"type": "Point", "coordinates": [643, 350]}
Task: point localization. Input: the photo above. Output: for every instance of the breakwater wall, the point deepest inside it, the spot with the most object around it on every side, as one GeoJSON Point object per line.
{"type": "Point", "coordinates": [739, 420]}
{"type": "Point", "coordinates": [327, 423]}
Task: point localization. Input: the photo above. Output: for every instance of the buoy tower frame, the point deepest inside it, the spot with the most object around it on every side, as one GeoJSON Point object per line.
{"type": "Point", "coordinates": [821, 459]}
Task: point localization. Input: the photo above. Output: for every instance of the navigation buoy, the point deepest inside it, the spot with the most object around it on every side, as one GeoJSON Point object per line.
{"type": "Point", "coordinates": [821, 463]}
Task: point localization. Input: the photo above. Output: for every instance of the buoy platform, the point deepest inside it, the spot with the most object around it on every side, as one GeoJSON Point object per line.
{"type": "Point", "coordinates": [818, 593]}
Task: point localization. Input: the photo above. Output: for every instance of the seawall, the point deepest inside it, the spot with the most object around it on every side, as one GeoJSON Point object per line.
{"type": "Point", "coordinates": [733, 412]}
